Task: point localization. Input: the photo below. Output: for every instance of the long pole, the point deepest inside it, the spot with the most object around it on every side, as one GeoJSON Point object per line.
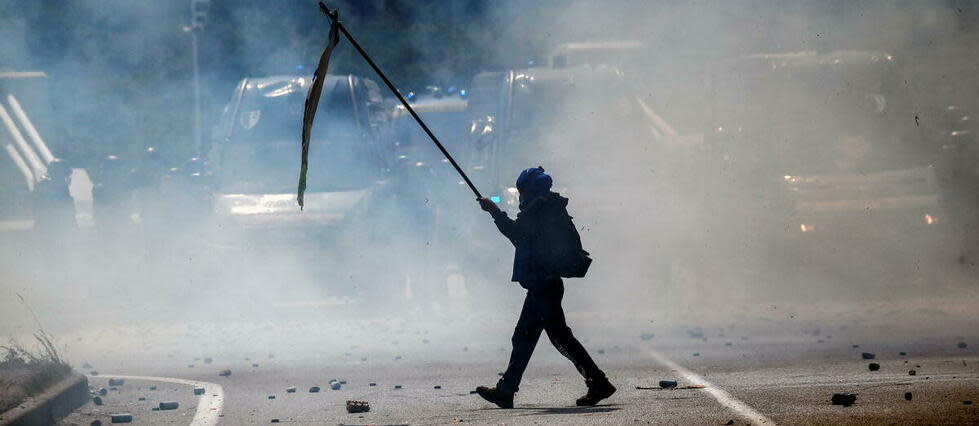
{"type": "Point", "coordinates": [333, 17]}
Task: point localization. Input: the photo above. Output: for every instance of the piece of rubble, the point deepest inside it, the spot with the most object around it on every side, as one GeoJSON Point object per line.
{"type": "Point", "coordinates": [122, 418]}
{"type": "Point", "coordinates": [437, 387]}
{"type": "Point", "coordinates": [169, 405]}
{"type": "Point", "coordinates": [314, 389]}
{"type": "Point", "coordinates": [190, 365]}
{"type": "Point", "coordinates": [335, 385]}
{"type": "Point", "coordinates": [291, 389]}
{"type": "Point", "coordinates": [95, 422]}
{"type": "Point", "coordinates": [224, 373]}
{"type": "Point", "coordinates": [667, 384]}
{"type": "Point", "coordinates": [116, 382]}
{"type": "Point", "coordinates": [963, 345]}
{"type": "Point", "coordinates": [198, 390]}
{"type": "Point", "coordinates": [868, 355]}
{"type": "Point", "coordinates": [397, 358]}
{"type": "Point", "coordinates": [845, 399]}
{"type": "Point", "coordinates": [902, 353]}
{"type": "Point", "coordinates": [372, 384]}
{"type": "Point", "coordinates": [967, 402]}
{"type": "Point", "coordinates": [275, 420]}
{"type": "Point", "coordinates": [397, 386]}
{"type": "Point", "coordinates": [601, 351]}
{"type": "Point", "coordinates": [152, 388]}
{"type": "Point", "coordinates": [103, 391]}
{"type": "Point", "coordinates": [646, 336]}
{"type": "Point", "coordinates": [728, 344]}
{"type": "Point", "coordinates": [873, 366]}
{"type": "Point", "coordinates": [696, 354]}
{"type": "Point", "coordinates": [97, 400]}
{"type": "Point", "coordinates": [271, 396]}
{"type": "Point", "coordinates": [343, 382]}
{"type": "Point", "coordinates": [854, 346]}
{"type": "Point", "coordinates": [207, 360]}
{"type": "Point", "coordinates": [912, 372]}
{"type": "Point", "coordinates": [93, 373]}
{"type": "Point", "coordinates": [908, 396]}
{"type": "Point", "coordinates": [142, 398]}
{"type": "Point", "coordinates": [358, 406]}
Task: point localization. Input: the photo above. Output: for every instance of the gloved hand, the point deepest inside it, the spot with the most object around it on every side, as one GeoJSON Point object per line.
{"type": "Point", "coordinates": [488, 205]}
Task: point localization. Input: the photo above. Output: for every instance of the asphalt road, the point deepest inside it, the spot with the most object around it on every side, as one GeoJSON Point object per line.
{"type": "Point", "coordinates": [748, 376]}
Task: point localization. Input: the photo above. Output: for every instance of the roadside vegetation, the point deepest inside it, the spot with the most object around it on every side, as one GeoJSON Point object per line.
{"type": "Point", "coordinates": [25, 372]}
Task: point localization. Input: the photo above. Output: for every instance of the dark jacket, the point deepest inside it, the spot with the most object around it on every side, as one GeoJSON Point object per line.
{"type": "Point", "coordinates": [536, 230]}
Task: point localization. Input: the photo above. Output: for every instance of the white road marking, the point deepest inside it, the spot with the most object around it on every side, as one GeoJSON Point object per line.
{"type": "Point", "coordinates": [719, 394]}
{"type": "Point", "coordinates": [208, 406]}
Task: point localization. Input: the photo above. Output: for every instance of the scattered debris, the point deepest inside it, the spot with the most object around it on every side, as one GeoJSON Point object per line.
{"type": "Point", "coordinates": [291, 389]}
{"type": "Point", "coordinates": [152, 388]}
{"type": "Point", "coordinates": [224, 373]}
{"type": "Point", "coordinates": [198, 390]}
{"type": "Point", "coordinates": [397, 386]}
{"type": "Point", "coordinates": [93, 373]}
{"type": "Point", "coordinates": [122, 418]}
{"type": "Point", "coordinates": [314, 389]}
{"type": "Point", "coordinates": [667, 383]}
{"type": "Point", "coordinates": [206, 360]}
{"type": "Point", "coordinates": [271, 396]}
{"type": "Point", "coordinates": [255, 364]}
{"type": "Point", "coordinates": [103, 391]}
{"type": "Point", "coordinates": [671, 387]}
{"type": "Point", "coordinates": [335, 385]}
{"type": "Point", "coordinates": [437, 387]}
{"type": "Point", "coordinates": [646, 336]}
{"type": "Point", "coordinates": [868, 355]}
{"type": "Point", "coordinates": [855, 346]}
{"type": "Point", "coordinates": [275, 420]}
{"type": "Point", "coordinates": [967, 402]}
{"type": "Point", "coordinates": [845, 399]}
{"type": "Point", "coordinates": [728, 344]}
{"type": "Point", "coordinates": [95, 422]}
{"type": "Point", "coordinates": [397, 358]}
{"type": "Point", "coordinates": [116, 382]}
{"type": "Point", "coordinates": [696, 354]}
{"type": "Point", "coordinates": [908, 396]}
{"type": "Point", "coordinates": [343, 382]}
{"type": "Point", "coordinates": [372, 384]}
{"type": "Point", "coordinates": [169, 405]}
{"type": "Point", "coordinates": [97, 400]}
{"type": "Point", "coordinates": [358, 406]}
{"type": "Point", "coordinates": [873, 366]}
{"type": "Point", "coordinates": [962, 345]}
{"type": "Point", "coordinates": [601, 351]}
{"type": "Point", "coordinates": [142, 398]}
{"type": "Point", "coordinates": [902, 353]}
{"type": "Point", "coordinates": [912, 372]}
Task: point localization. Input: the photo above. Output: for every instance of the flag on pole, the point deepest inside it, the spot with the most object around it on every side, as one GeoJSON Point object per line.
{"type": "Point", "coordinates": [313, 100]}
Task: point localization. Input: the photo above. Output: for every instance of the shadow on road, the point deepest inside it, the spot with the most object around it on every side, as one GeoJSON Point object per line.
{"type": "Point", "coordinates": [572, 410]}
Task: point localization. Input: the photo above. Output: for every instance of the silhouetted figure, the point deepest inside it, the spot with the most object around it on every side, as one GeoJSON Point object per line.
{"type": "Point", "coordinates": [54, 209]}
{"type": "Point", "coordinates": [542, 224]}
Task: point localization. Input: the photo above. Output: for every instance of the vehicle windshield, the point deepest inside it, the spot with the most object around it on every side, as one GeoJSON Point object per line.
{"type": "Point", "coordinates": [263, 153]}
{"type": "Point", "coordinates": [819, 120]}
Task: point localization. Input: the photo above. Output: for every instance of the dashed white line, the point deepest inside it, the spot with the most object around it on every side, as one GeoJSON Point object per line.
{"type": "Point", "coordinates": [208, 406]}
{"type": "Point", "coordinates": [724, 398]}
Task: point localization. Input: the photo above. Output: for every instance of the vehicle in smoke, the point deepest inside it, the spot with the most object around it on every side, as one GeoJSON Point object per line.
{"type": "Point", "coordinates": [818, 151]}
{"type": "Point", "coordinates": [253, 161]}
{"type": "Point", "coordinates": [34, 184]}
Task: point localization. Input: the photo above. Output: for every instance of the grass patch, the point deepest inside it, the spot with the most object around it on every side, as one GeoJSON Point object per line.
{"type": "Point", "coordinates": [38, 370]}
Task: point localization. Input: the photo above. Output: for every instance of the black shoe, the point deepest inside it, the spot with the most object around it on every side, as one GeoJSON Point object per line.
{"type": "Point", "coordinates": [501, 398]}
{"type": "Point", "coordinates": [597, 391]}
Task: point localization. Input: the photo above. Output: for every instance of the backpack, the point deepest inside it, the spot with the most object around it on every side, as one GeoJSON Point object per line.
{"type": "Point", "coordinates": [563, 253]}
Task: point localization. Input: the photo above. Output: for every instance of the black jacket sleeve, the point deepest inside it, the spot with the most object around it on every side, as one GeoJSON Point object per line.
{"type": "Point", "coordinates": [508, 227]}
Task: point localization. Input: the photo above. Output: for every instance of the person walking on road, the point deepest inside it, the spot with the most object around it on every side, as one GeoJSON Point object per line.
{"type": "Point", "coordinates": [543, 235]}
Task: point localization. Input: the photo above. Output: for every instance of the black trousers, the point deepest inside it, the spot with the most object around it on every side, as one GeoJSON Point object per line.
{"type": "Point", "coordinates": [542, 312]}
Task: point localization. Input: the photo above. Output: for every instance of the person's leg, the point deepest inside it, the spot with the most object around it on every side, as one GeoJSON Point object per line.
{"type": "Point", "coordinates": [525, 337]}
{"type": "Point", "coordinates": [547, 301]}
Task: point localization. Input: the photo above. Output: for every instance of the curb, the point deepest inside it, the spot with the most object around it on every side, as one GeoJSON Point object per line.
{"type": "Point", "coordinates": [52, 405]}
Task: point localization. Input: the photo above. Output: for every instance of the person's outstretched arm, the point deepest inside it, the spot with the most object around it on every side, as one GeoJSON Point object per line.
{"type": "Point", "coordinates": [507, 226]}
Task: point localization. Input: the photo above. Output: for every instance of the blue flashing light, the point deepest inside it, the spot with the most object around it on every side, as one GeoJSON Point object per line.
{"type": "Point", "coordinates": [531, 63]}
{"type": "Point", "coordinates": [299, 67]}
{"type": "Point", "coordinates": [450, 90]}
{"type": "Point", "coordinates": [410, 95]}
{"type": "Point", "coordinates": [463, 92]}
{"type": "Point", "coordinates": [496, 199]}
